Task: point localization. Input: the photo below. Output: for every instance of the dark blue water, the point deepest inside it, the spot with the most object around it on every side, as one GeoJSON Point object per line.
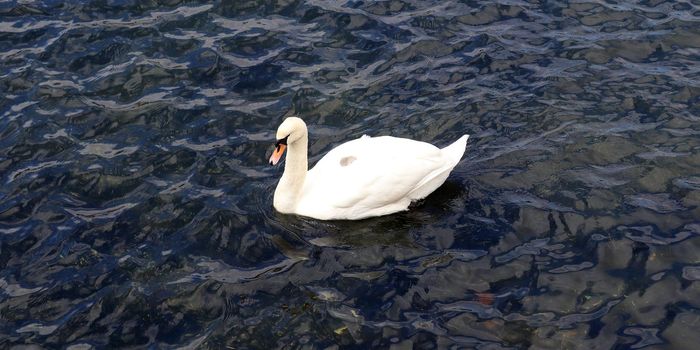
{"type": "Point", "coordinates": [136, 199]}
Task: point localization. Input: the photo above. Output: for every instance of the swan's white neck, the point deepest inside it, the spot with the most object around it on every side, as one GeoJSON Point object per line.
{"type": "Point", "coordinates": [291, 184]}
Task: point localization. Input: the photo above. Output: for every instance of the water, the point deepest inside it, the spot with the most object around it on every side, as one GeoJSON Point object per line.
{"type": "Point", "coordinates": [136, 199]}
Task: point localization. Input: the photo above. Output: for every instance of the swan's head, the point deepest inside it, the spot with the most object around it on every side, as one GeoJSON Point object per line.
{"type": "Point", "coordinates": [291, 130]}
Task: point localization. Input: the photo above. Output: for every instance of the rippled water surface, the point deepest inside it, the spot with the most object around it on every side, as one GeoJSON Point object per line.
{"type": "Point", "coordinates": [136, 200]}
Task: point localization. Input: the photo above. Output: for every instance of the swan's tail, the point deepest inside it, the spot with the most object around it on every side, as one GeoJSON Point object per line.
{"type": "Point", "coordinates": [456, 150]}
{"type": "Point", "coordinates": [430, 183]}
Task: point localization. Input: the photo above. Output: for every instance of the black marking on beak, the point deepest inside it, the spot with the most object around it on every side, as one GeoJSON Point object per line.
{"type": "Point", "coordinates": [281, 142]}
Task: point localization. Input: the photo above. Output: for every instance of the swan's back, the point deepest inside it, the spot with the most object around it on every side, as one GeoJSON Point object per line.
{"type": "Point", "coordinates": [373, 176]}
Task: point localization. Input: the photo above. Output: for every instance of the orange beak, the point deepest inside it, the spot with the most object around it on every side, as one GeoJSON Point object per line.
{"type": "Point", "coordinates": [277, 154]}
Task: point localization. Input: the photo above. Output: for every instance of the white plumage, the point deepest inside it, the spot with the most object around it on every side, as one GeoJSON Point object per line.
{"type": "Point", "coordinates": [365, 177]}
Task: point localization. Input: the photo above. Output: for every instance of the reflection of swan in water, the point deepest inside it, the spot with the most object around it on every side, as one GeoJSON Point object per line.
{"type": "Point", "coordinates": [362, 178]}
{"type": "Point", "coordinates": [395, 230]}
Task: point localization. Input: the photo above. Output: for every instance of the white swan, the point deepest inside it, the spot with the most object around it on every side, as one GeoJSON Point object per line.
{"type": "Point", "coordinates": [369, 176]}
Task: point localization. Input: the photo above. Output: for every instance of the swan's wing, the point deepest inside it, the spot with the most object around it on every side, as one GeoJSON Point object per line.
{"type": "Point", "coordinates": [371, 172]}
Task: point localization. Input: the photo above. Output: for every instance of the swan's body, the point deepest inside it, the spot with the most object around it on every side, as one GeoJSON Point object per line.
{"type": "Point", "coordinates": [365, 177]}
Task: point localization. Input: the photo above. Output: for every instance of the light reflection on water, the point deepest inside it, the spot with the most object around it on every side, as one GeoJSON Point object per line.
{"type": "Point", "coordinates": [136, 206]}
